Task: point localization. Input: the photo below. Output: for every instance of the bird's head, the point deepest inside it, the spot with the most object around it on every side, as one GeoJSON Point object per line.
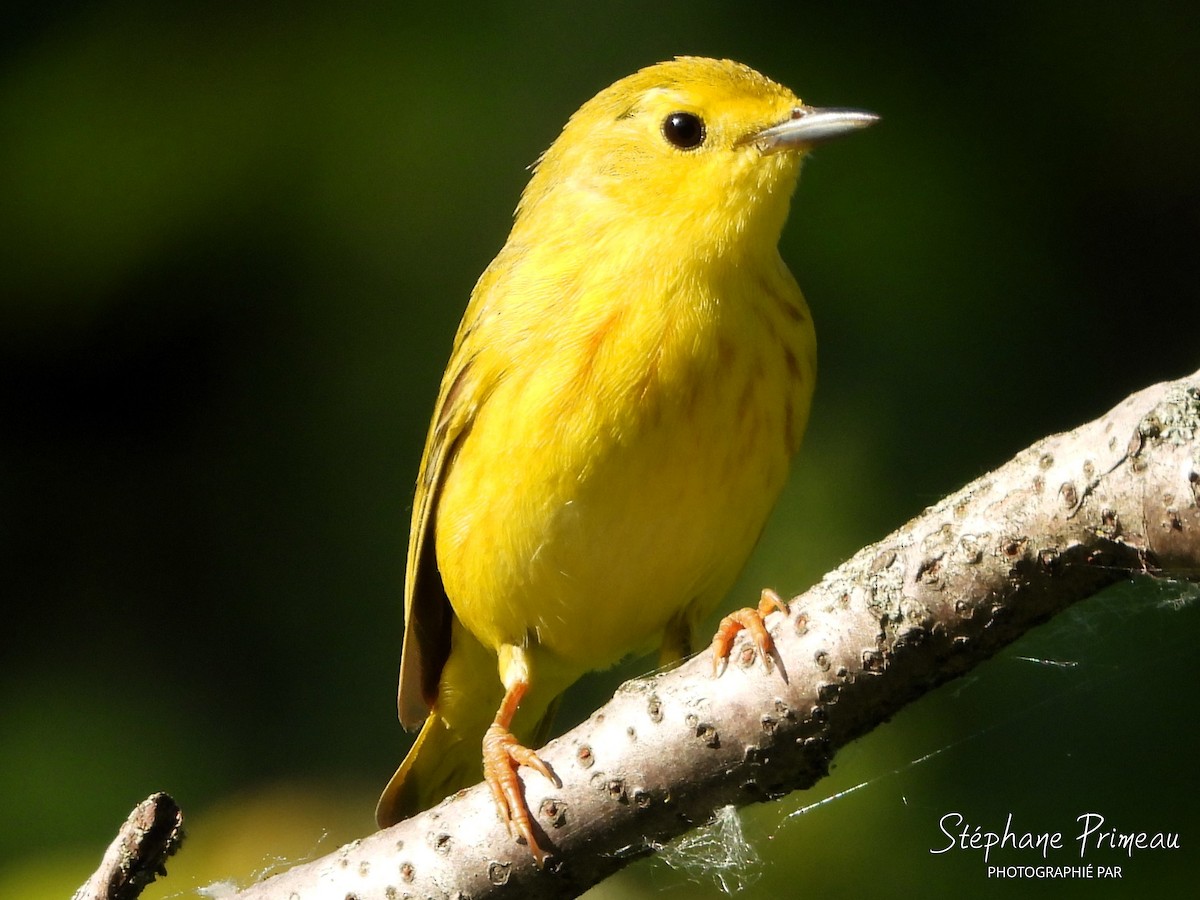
{"type": "Point", "coordinates": [697, 150]}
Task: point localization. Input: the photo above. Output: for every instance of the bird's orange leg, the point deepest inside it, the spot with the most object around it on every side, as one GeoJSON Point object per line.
{"type": "Point", "coordinates": [502, 754]}
{"type": "Point", "coordinates": [751, 620]}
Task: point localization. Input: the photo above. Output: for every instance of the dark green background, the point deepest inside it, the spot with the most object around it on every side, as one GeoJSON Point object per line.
{"type": "Point", "coordinates": [234, 246]}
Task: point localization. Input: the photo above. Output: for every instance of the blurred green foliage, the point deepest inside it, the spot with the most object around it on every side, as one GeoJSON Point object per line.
{"type": "Point", "coordinates": [234, 245]}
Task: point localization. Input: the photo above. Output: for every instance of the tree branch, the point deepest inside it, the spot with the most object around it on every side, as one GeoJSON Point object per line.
{"type": "Point", "coordinates": [153, 831]}
{"type": "Point", "coordinates": [1072, 514]}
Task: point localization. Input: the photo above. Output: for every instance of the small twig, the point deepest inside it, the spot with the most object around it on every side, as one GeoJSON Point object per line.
{"type": "Point", "coordinates": [138, 854]}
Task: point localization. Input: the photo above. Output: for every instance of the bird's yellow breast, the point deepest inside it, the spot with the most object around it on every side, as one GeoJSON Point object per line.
{"type": "Point", "coordinates": [626, 475]}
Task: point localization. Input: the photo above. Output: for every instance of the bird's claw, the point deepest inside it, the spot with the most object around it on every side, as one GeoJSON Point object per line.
{"type": "Point", "coordinates": [502, 755]}
{"type": "Point", "coordinates": [751, 620]}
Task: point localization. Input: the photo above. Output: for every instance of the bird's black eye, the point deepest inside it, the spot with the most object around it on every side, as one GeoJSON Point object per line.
{"type": "Point", "coordinates": [683, 130]}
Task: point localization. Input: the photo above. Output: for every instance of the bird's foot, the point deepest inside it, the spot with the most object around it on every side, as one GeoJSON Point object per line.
{"type": "Point", "coordinates": [751, 620]}
{"type": "Point", "coordinates": [502, 754]}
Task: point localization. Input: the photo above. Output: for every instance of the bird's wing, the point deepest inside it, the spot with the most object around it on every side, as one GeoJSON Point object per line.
{"type": "Point", "coordinates": [470, 376]}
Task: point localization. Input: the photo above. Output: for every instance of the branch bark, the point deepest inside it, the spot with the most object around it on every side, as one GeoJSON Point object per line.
{"type": "Point", "coordinates": [153, 831]}
{"type": "Point", "coordinates": [1072, 514]}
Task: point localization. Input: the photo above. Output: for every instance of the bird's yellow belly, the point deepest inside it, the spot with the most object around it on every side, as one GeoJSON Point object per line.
{"type": "Point", "coordinates": [567, 528]}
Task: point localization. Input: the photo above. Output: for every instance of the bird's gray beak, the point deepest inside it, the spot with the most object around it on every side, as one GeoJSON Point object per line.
{"type": "Point", "coordinates": [807, 126]}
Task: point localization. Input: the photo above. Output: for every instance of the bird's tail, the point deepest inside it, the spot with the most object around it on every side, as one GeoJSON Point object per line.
{"type": "Point", "coordinates": [438, 764]}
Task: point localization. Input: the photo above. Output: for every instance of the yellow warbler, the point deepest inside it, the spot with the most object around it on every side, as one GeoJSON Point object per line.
{"type": "Point", "coordinates": [628, 385]}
